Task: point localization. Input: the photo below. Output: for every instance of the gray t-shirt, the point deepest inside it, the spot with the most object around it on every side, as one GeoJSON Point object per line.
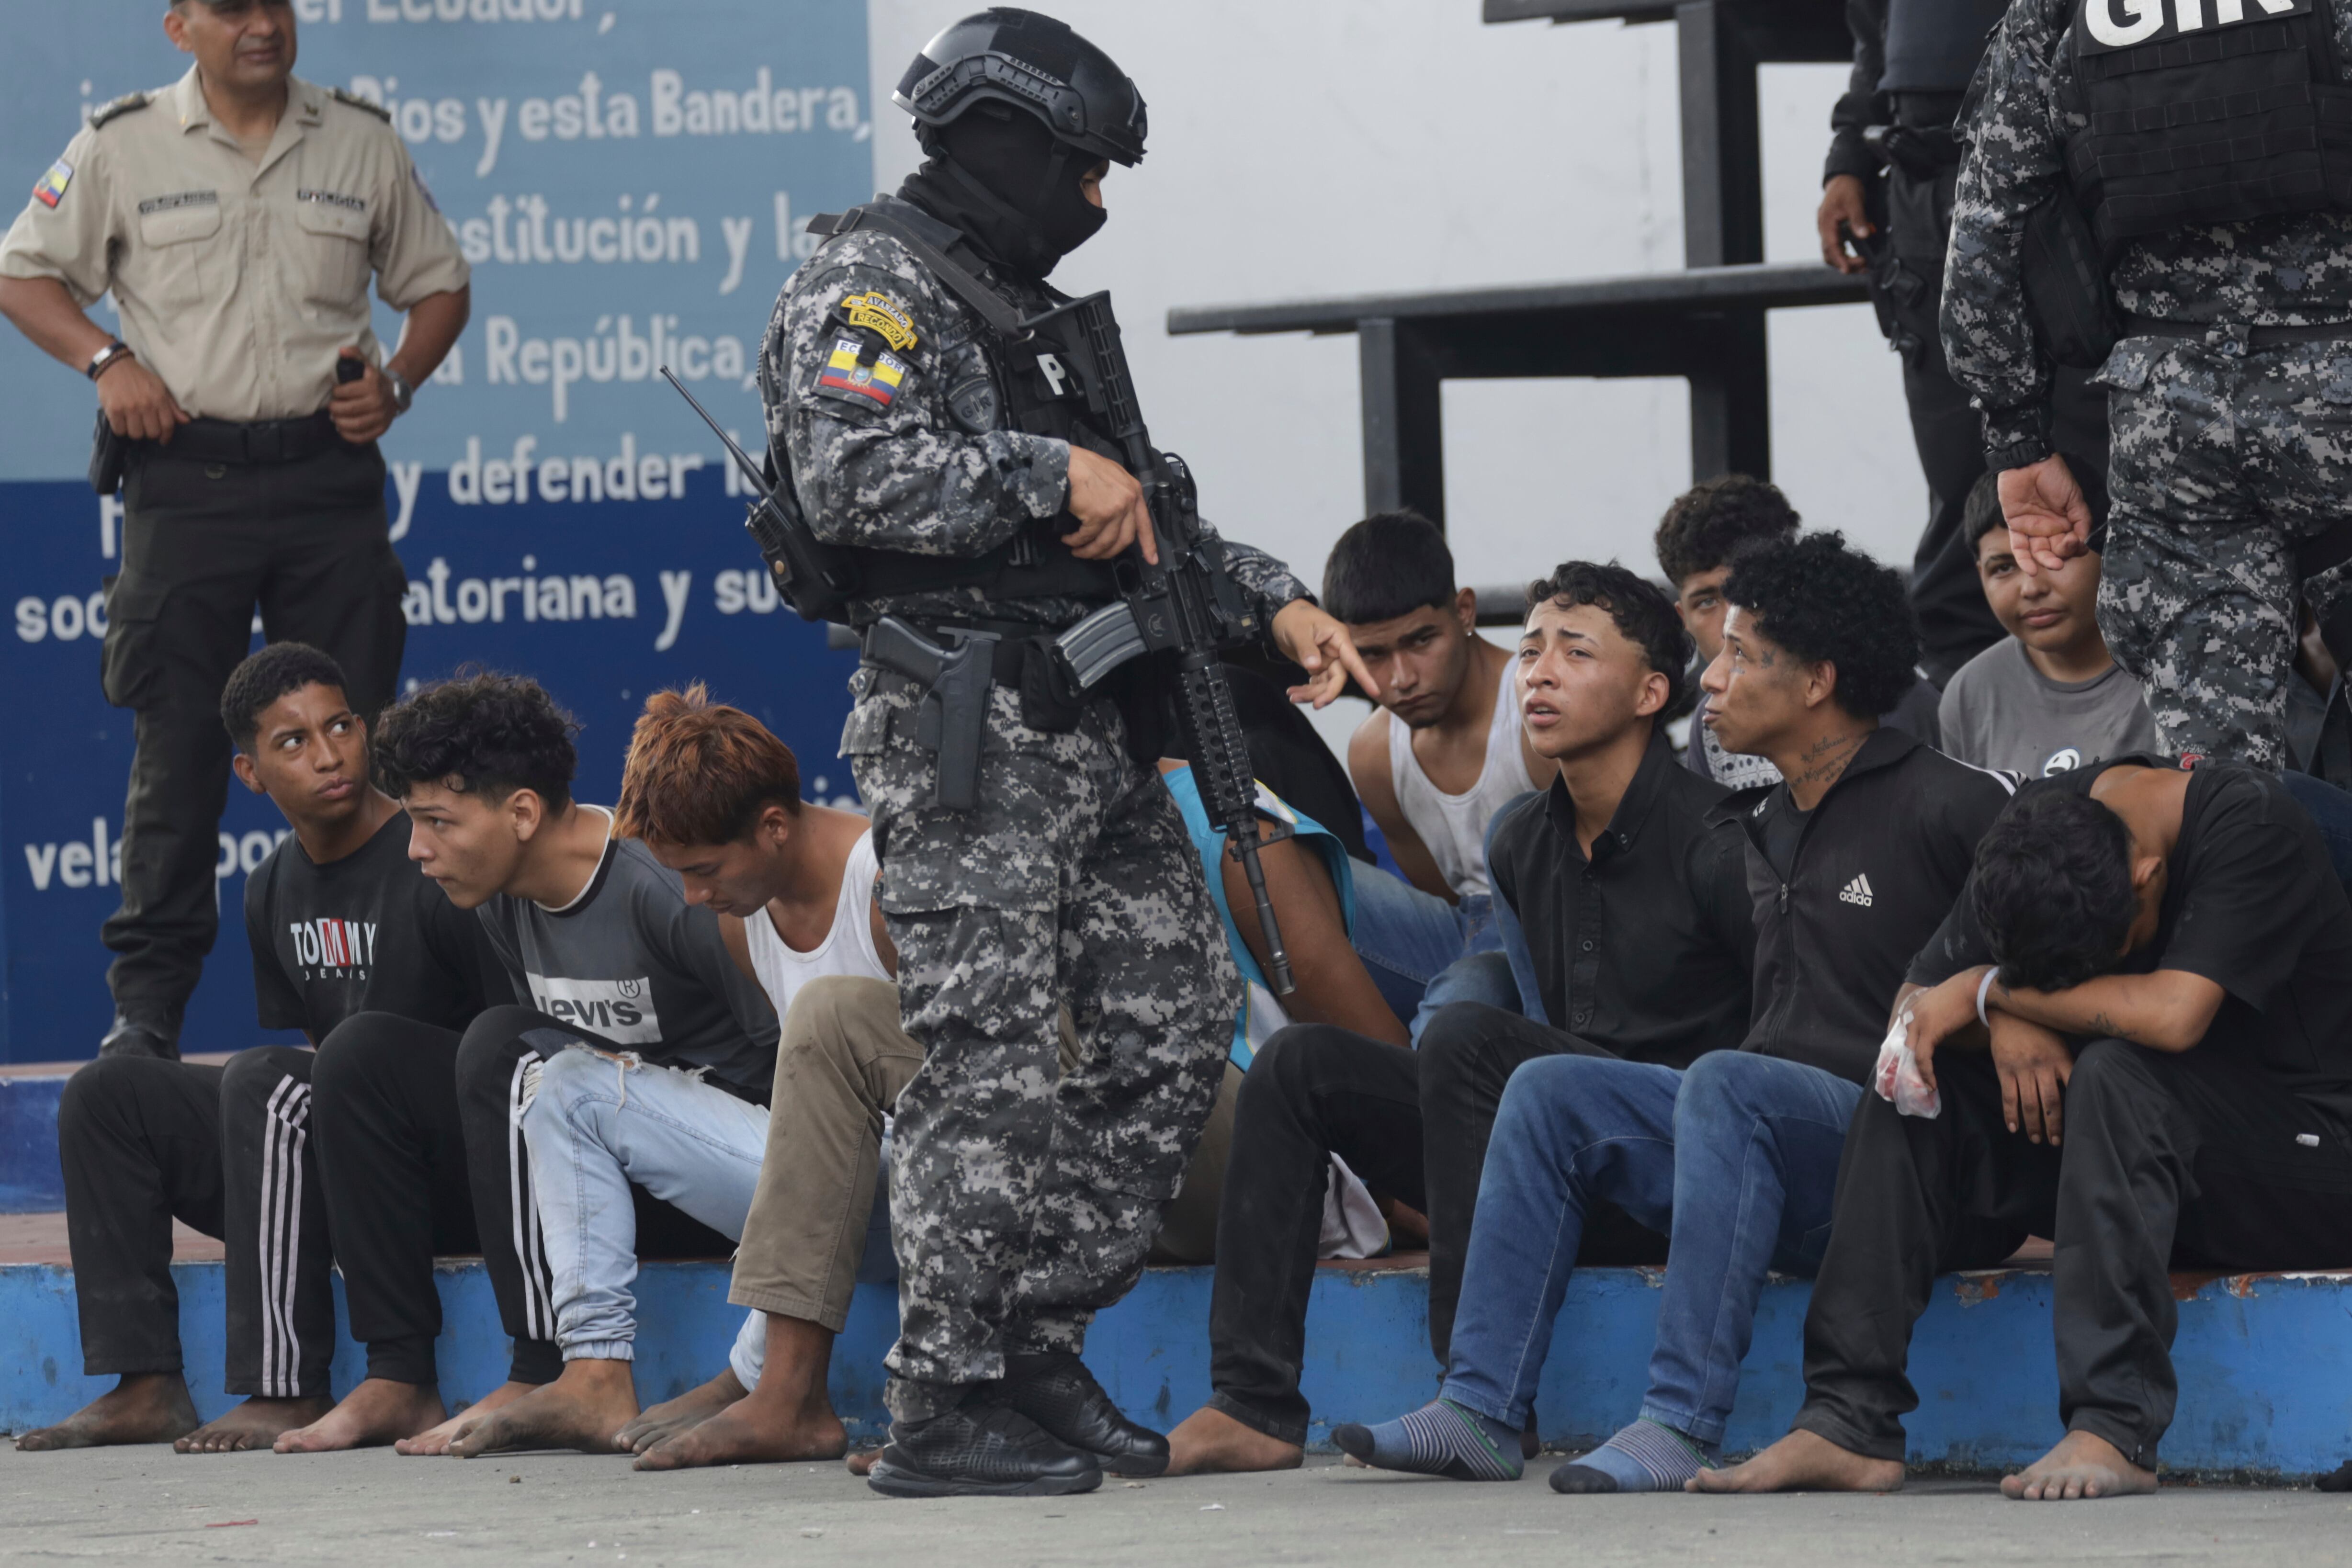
{"type": "Point", "coordinates": [631, 962]}
{"type": "Point", "coordinates": [2001, 712]}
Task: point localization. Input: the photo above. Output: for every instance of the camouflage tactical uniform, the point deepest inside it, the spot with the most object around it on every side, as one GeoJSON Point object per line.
{"type": "Point", "coordinates": [2225, 457]}
{"type": "Point", "coordinates": [1021, 1206]}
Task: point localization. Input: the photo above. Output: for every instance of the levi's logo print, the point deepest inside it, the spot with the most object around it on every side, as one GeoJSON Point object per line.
{"type": "Point", "coordinates": [620, 1010]}
{"type": "Point", "coordinates": [2127, 23]}
{"type": "Point", "coordinates": [325, 947]}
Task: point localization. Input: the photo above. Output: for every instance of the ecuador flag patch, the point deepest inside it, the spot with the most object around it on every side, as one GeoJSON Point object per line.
{"type": "Point", "coordinates": [50, 188]}
{"type": "Point", "coordinates": [846, 378]}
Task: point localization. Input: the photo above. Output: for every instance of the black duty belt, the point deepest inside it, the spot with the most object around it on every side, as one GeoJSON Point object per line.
{"type": "Point", "coordinates": [259, 442]}
{"type": "Point", "coordinates": [2238, 332]}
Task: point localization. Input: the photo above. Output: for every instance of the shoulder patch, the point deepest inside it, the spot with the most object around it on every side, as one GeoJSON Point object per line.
{"type": "Point", "coordinates": [878, 313]}
{"type": "Point", "coordinates": [126, 104]}
{"type": "Point", "coordinates": [50, 188]}
{"type": "Point", "coordinates": [857, 375]}
{"type": "Point", "coordinates": [342, 95]}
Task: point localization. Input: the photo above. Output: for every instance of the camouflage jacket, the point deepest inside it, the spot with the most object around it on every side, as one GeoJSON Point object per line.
{"type": "Point", "coordinates": [2021, 107]}
{"type": "Point", "coordinates": [912, 449]}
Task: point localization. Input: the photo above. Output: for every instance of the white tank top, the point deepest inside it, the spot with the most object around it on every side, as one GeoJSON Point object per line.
{"type": "Point", "coordinates": [1453, 827]}
{"type": "Point", "coordinates": [847, 947]}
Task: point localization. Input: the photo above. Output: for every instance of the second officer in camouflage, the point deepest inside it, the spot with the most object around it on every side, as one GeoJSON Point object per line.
{"type": "Point", "coordinates": [2199, 151]}
{"type": "Point", "coordinates": [953, 459]}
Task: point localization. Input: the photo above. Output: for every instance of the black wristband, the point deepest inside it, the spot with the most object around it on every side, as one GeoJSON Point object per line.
{"type": "Point", "coordinates": [104, 358]}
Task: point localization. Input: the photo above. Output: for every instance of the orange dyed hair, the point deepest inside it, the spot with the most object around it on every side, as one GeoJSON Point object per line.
{"type": "Point", "coordinates": [699, 772]}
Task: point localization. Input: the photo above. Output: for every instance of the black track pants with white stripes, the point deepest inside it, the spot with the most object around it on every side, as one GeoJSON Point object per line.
{"type": "Point", "coordinates": [227, 1152]}
{"type": "Point", "coordinates": [421, 1157]}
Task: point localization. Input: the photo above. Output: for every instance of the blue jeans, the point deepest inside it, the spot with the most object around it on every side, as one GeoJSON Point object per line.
{"type": "Point", "coordinates": [1423, 953]}
{"type": "Point", "coordinates": [596, 1123]}
{"type": "Point", "coordinates": [1737, 1159]}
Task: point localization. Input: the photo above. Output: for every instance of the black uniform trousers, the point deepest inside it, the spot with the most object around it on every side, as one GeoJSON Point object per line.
{"type": "Point", "coordinates": [202, 545]}
{"type": "Point", "coordinates": [1906, 284]}
{"type": "Point", "coordinates": [422, 1153]}
{"type": "Point", "coordinates": [1413, 1126]}
{"type": "Point", "coordinates": [2186, 1160]}
{"type": "Point", "coordinates": [228, 1150]}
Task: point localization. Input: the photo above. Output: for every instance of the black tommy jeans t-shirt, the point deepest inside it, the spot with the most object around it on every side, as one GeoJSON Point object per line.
{"type": "Point", "coordinates": [368, 933]}
{"type": "Point", "coordinates": [2252, 903]}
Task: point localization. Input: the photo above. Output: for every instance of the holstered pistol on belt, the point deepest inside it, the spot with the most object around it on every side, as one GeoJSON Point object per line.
{"type": "Point", "coordinates": [954, 713]}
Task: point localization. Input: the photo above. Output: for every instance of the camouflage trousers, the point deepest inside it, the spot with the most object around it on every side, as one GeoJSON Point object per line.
{"type": "Point", "coordinates": [1023, 1200]}
{"type": "Point", "coordinates": [2226, 460]}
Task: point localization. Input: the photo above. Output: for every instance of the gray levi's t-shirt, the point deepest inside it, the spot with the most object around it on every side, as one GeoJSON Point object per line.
{"type": "Point", "coordinates": [1999, 711]}
{"type": "Point", "coordinates": [631, 962]}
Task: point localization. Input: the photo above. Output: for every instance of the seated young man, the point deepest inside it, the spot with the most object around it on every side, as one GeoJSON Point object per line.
{"type": "Point", "coordinates": [1638, 915]}
{"type": "Point", "coordinates": [1442, 753]}
{"type": "Point", "coordinates": [2046, 697]}
{"type": "Point", "coordinates": [637, 1070]}
{"type": "Point", "coordinates": [1702, 530]}
{"type": "Point", "coordinates": [339, 922]}
{"type": "Point", "coordinates": [1854, 856]}
{"type": "Point", "coordinates": [2165, 962]}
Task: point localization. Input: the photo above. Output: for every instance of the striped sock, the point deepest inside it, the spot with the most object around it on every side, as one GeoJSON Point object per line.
{"type": "Point", "coordinates": [1644, 1456]}
{"type": "Point", "coordinates": [1441, 1439]}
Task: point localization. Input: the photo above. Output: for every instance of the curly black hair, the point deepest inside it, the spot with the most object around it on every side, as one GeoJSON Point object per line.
{"type": "Point", "coordinates": [273, 673]}
{"type": "Point", "coordinates": [1646, 616]}
{"type": "Point", "coordinates": [2053, 888]}
{"type": "Point", "coordinates": [492, 733]}
{"type": "Point", "coordinates": [1708, 522]}
{"type": "Point", "coordinates": [1826, 603]}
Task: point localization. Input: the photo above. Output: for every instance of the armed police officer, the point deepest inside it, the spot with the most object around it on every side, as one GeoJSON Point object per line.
{"type": "Point", "coordinates": [1887, 210]}
{"type": "Point", "coordinates": [958, 456]}
{"type": "Point", "coordinates": [2164, 188]}
{"type": "Point", "coordinates": [236, 217]}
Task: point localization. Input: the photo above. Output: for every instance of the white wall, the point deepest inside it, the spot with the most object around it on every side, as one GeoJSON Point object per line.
{"type": "Point", "coordinates": [1308, 148]}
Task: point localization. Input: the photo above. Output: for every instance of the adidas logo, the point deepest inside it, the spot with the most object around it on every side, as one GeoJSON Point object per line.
{"type": "Point", "coordinates": [1856, 892]}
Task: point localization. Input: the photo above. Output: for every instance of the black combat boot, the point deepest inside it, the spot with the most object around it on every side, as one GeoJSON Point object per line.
{"type": "Point", "coordinates": [1057, 1392]}
{"type": "Point", "coordinates": [979, 1449]}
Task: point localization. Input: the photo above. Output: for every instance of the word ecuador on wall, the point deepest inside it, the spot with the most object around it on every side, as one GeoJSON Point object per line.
{"type": "Point", "coordinates": [630, 180]}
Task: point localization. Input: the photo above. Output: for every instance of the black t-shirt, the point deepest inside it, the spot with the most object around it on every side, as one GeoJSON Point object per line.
{"type": "Point", "coordinates": [2252, 903]}
{"type": "Point", "coordinates": [368, 933]}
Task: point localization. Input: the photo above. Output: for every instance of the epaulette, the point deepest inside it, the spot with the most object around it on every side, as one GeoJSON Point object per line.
{"type": "Point", "coordinates": [340, 96]}
{"type": "Point", "coordinates": [119, 107]}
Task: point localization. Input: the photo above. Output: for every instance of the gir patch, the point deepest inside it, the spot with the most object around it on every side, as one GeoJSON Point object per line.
{"type": "Point", "coordinates": [846, 378]}
{"type": "Point", "coordinates": [50, 189]}
{"type": "Point", "coordinates": [881, 315]}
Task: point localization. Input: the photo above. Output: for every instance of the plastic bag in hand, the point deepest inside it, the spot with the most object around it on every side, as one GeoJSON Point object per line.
{"type": "Point", "coordinates": [1897, 1076]}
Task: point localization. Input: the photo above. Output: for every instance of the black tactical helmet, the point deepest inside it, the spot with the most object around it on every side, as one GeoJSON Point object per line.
{"type": "Point", "coordinates": [1034, 63]}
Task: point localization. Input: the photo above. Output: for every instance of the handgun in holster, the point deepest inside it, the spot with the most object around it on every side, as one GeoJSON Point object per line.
{"type": "Point", "coordinates": [110, 454]}
{"type": "Point", "coordinates": [953, 716]}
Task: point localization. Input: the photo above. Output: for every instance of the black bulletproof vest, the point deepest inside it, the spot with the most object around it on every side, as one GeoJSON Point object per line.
{"type": "Point", "coordinates": [1034, 394]}
{"type": "Point", "coordinates": [2207, 112]}
{"type": "Point", "coordinates": [1933, 46]}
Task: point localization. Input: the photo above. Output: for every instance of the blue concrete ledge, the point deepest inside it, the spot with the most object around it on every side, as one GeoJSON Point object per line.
{"type": "Point", "coordinates": [30, 1179]}
{"type": "Point", "coordinates": [2266, 1388]}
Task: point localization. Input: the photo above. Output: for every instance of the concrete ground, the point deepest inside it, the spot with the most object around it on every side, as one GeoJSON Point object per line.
{"type": "Point", "coordinates": [375, 1508]}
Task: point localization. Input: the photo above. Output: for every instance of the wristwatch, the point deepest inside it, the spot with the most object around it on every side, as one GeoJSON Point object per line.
{"type": "Point", "coordinates": [403, 395]}
{"type": "Point", "coordinates": [116, 350]}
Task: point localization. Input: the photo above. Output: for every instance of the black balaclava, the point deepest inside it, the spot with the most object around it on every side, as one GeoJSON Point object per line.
{"type": "Point", "coordinates": [1009, 184]}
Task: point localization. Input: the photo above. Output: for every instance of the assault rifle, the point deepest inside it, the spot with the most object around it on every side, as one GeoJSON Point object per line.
{"type": "Point", "coordinates": [1187, 605]}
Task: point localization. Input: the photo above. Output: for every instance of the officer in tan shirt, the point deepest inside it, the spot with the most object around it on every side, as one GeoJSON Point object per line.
{"type": "Point", "coordinates": [235, 216]}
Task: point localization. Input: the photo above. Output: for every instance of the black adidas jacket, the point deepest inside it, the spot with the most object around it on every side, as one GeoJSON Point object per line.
{"type": "Point", "coordinates": [1897, 834]}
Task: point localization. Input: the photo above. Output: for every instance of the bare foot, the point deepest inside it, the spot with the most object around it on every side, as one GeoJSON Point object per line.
{"type": "Point", "coordinates": [2080, 1466]}
{"type": "Point", "coordinates": [1210, 1442]}
{"type": "Point", "coordinates": [1802, 1461]}
{"type": "Point", "coordinates": [691, 1409]}
{"type": "Point", "coordinates": [584, 1409]}
{"type": "Point", "coordinates": [861, 1463]}
{"type": "Point", "coordinates": [754, 1431]}
{"type": "Point", "coordinates": [435, 1441]}
{"type": "Point", "coordinates": [144, 1408]}
{"type": "Point", "coordinates": [255, 1424]}
{"type": "Point", "coordinates": [377, 1412]}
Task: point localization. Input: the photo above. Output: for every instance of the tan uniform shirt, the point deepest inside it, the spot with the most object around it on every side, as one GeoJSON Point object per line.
{"type": "Point", "coordinates": [238, 283]}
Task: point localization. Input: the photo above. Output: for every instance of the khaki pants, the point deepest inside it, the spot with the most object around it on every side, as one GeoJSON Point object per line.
{"type": "Point", "coordinates": [840, 1065]}
{"type": "Point", "coordinates": [1187, 1226]}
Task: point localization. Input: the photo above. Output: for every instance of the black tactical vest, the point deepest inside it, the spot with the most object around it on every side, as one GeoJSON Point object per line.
{"type": "Point", "coordinates": [1933, 46]}
{"type": "Point", "coordinates": [2207, 112]}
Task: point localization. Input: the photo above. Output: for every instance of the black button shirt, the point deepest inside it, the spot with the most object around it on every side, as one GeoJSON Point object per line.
{"type": "Point", "coordinates": [1643, 949]}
